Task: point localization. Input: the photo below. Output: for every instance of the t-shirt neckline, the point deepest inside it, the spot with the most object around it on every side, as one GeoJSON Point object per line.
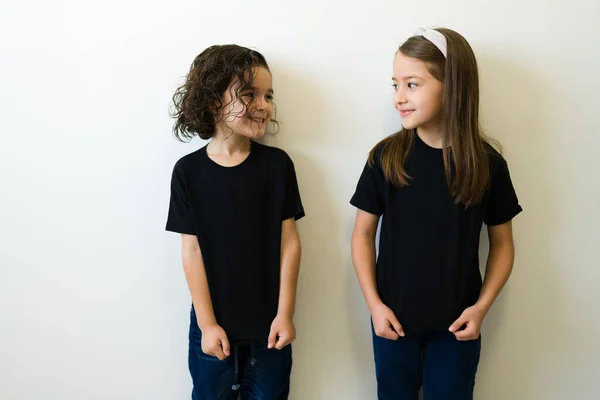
{"type": "Point", "coordinates": [244, 161]}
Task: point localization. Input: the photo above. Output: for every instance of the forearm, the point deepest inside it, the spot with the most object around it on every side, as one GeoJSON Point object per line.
{"type": "Point", "coordinates": [498, 269]}
{"type": "Point", "coordinates": [364, 259]}
{"type": "Point", "coordinates": [290, 266]}
{"type": "Point", "coordinates": [195, 275]}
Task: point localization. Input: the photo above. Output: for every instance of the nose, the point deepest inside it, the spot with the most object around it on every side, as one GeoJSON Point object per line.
{"type": "Point", "coordinates": [260, 103]}
{"type": "Point", "coordinates": [399, 96]}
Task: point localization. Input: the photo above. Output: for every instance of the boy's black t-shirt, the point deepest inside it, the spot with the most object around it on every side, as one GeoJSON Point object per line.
{"type": "Point", "coordinates": [236, 213]}
{"type": "Point", "coordinates": [428, 265]}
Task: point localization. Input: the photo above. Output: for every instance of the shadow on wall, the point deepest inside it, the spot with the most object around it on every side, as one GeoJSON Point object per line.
{"type": "Point", "coordinates": [525, 332]}
{"type": "Point", "coordinates": [318, 351]}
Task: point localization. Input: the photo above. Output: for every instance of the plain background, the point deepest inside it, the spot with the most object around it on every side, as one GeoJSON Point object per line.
{"type": "Point", "coordinates": [93, 301]}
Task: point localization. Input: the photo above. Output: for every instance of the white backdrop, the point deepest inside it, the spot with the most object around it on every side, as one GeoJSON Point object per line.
{"type": "Point", "coordinates": [93, 301]}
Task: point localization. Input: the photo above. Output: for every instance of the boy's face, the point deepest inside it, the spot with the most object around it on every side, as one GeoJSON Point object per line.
{"type": "Point", "coordinates": [250, 113]}
{"type": "Point", "coordinates": [418, 95]}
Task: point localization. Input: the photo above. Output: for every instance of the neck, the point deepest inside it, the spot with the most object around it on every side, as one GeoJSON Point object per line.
{"type": "Point", "coordinates": [432, 135]}
{"type": "Point", "coordinates": [228, 143]}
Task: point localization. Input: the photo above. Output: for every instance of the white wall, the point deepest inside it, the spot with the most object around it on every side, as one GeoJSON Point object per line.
{"type": "Point", "coordinates": [93, 301]}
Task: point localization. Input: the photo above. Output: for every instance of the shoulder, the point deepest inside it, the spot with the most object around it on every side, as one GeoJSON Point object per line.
{"type": "Point", "coordinates": [188, 163]}
{"type": "Point", "coordinates": [272, 155]}
{"type": "Point", "coordinates": [500, 177]}
{"type": "Point", "coordinates": [496, 160]}
{"type": "Point", "coordinates": [377, 150]}
{"type": "Point", "coordinates": [383, 146]}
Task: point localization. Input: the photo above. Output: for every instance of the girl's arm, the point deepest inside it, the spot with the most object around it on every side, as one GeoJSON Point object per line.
{"type": "Point", "coordinates": [499, 266]}
{"type": "Point", "coordinates": [283, 331]}
{"type": "Point", "coordinates": [214, 338]}
{"type": "Point", "coordinates": [385, 322]}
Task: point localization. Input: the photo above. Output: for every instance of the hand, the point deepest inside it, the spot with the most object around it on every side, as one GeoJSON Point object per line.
{"type": "Point", "coordinates": [282, 332]}
{"type": "Point", "coordinates": [385, 323]}
{"type": "Point", "coordinates": [472, 317]}
{"type": "Point", "coordinates": [215, 342]}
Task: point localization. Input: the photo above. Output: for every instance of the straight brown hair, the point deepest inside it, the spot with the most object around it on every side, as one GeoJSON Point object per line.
{"type": "Point", "coordinates": [465, 147]}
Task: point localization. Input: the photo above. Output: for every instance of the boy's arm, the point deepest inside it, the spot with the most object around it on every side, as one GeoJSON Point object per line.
{"type": "Point", "coordinates": [214, 339]}
{"type": "Point", "coordinates": [499, 266]}
{"type": "Point", "coordinates": [282, 329]}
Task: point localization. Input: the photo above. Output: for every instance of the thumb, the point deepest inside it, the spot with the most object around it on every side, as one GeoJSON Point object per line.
{"type": "Point", "coordinates": [397, 327]}
{"type": "Point", "coordinates": [458, 324]}
{"type": "Point", "coordinates": [225, 345]}
{"type": "Point", "coordinates": [272, 338]}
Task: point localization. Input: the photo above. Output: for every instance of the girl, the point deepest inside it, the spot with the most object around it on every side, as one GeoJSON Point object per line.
{"type": "Point", "coordinates": [235, 202]}
{"type": "Point", "coordinates": [435, 182]}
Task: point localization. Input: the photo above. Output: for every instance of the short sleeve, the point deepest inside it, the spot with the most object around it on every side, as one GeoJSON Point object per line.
{"type": "Point", "coordinates": [369, 194]}
{"type": "Point", "coordinates": [503, 204]}
{"type": "Point", "coordinates": [292, 203]}
{"type": "Point", "coordinates": [179, 218]}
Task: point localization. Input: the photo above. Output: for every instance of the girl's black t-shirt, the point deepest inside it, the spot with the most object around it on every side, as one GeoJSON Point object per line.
{"type": "Point", "coordinates": [428, 265]}
{"type": "Point", "coordinates": [236, 214]}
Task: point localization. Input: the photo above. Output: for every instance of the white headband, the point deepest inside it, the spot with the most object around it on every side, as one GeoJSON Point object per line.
{"type": "Point", "coordinates": [435, 37]}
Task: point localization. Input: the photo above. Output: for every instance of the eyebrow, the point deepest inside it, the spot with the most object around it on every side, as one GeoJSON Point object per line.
{"type": "Point", "coordinates": [270, 90]}
{"type": "Point", "coordinates": [407, 78]}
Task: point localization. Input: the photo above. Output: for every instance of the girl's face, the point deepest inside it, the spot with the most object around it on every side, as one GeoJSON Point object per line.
{"type": "Point", "coordinates": [418, 95]}
{"type": "Point", "coordinates": [250, 113]}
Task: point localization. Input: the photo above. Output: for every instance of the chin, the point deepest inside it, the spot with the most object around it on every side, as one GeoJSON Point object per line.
{"type": "Point", "coordinates": [251, 134]}
{"type": "Point", "coordinates": [258, 135]}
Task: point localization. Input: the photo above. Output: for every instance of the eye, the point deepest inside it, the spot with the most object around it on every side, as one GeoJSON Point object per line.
{"type": "Point", "coordinates": [411, 85]}
{"type": "Point", "coordinates": [269, 97]}
{"type": "Point", "coordinates": [395, 86]}
{"type": "Point", "coordinates": [249, 95]}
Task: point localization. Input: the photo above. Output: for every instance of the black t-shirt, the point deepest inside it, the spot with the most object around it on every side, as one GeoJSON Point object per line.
{"type": "Point", "coordinates": [428, 265]}
{"type": "Point", "coordinates": [236, 213]}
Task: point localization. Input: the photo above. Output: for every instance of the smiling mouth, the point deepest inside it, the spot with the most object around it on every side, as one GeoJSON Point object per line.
{"type": "Point", "coordinates": [404, 113]}
{"type": "Point", "coordinates": [259, 120]}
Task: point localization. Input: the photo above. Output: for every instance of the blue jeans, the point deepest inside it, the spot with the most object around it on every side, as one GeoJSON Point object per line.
{"type": "Point", "coordinates": [444, 366]}
{"type": "Point", "coordinates": [251, 372]}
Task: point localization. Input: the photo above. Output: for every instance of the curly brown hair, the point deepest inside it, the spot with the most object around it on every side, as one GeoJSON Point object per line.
{"type": "Point", "coordinates": [198, 101]}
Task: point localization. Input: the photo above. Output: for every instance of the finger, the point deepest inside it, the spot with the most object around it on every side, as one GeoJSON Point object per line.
{"type": "Point", "coordinates": [466, 334]}
{"type": "Point", "coordinates": [386, 332]}
{"type": "Point", "coordinates": [282, 342]}
{"type": "Point", "coordinates": [225, 345]}
{"type": "Point", "coordinates": [456, 325]}
{"type": "Point", "coordinates": [390, 334]}
{"type": "Point", "coordinates": [218, 352]}
{"type": "Point", "coordinates": [272, 338]}
{"type": "Point", "coordinates": [397, 327]}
